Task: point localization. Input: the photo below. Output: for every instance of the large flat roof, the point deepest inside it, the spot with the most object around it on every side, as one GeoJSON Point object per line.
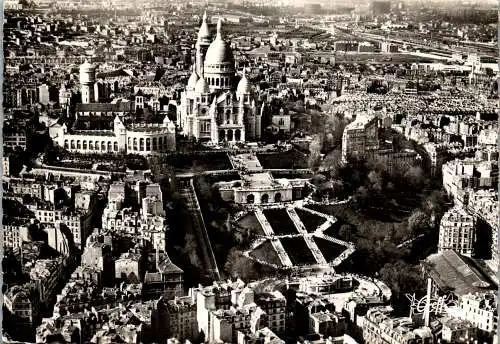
{"type": "Point", "coordinates": [451, 271]}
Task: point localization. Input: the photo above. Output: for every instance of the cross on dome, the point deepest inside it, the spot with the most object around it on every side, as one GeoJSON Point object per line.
{"type": "Point", "coordinates": [219, 28]}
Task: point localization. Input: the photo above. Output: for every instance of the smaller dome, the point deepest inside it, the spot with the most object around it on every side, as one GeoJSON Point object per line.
{"type": "Point", "coordinates": [204, 32]}
{"type": "Point", "coordinates": [202, 86]}
{"type": "Point", "coordinates": [243, 86]}
{"type": "Point", "coordinates": [193, 79]}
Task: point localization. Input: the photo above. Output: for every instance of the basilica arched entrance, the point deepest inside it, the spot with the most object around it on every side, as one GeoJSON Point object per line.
{"type": "Point", "coordinates": [250, 199]}
{"type": "Point", "coordinates": [264, 198]}
{"type": "Point", "coordinates": [237, 135]}
{"type": "Point", "coordinates": [277, 197]}
{"type": "Point", "coordinates": [230, 135]}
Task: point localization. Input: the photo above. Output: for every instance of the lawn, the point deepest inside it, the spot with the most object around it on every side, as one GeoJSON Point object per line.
{"type": "Point", "coordinates": [280, 221]}
{"type": "Point", "coordinates": [283, 160]}
{"type": "Point", "coordinates": [266, 253]}
{"type": "Point", "coordinates": [333, 230]}
{"type": "Point", "coordinates": [369, 224]}
{"type": "Point", "coordinates": [251, 223]}
{"type": "Point", "coordinates": [298, 251]}
{"type": "Point", "coordinates": [193, 163]}
{"type": "Point", "coordinates": [329, 249]}
{"type": "Point", "coordinates": [311, 221]}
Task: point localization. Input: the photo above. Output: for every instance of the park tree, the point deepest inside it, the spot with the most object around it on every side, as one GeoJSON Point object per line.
{"type": "Point", "coordinates": [415, 177]}
{"type": "Point", "coordinates": [132, 278]}
{"type": "Point", "coordinates": [239, 266]}
{"type": "Point", "coordinates": [375, 181]}
{"type": "Point", "coordinates": [318, 180]}
{"type": "Point", "coordinates": [334, 129]}
{"type": "Point", "coordinates": [191, 250]}
{"type": "Point", "coordinates": [315, 146]}
{"type": "Point", "coordinates": [402, 278]}
{"type": "Point", "coordinates": [418, 222]}
{"type": "Point", "coordinates": [346, 232]}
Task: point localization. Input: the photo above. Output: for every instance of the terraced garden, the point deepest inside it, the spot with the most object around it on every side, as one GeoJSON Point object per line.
{"type": "Point", "coordinates": [297, 250]}
{"type": "Point", "coordinates": [251, 223]}
{"type": "Point", "coordinates": [283, 160]}
{"type": "Point", "coordinates": [311, 221]}
{"type": "Point", "coordinates": [333, 230]}
{"type": "Point", "coordinates": [266, 252]}
{"type": "Point", "coordinates": [193, 163]}
{"type": "Point", "coordinates": [280, 221]}
{"type": "Point", "coordinates": [329, 249]}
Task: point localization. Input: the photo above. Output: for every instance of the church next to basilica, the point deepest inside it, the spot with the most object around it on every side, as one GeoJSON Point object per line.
{"type": "Point", "coordinates": [217, 106]}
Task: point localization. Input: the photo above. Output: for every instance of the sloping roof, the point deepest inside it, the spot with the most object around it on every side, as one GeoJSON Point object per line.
{"type": "Point", "coordinates": [113, 74]}
{"type": "Point", "coordinates": [449, 270]}
{"type": "Point", "coordinates": [261, 50]}
{"type": "Point", "coordinates": [166, 266]}
{"type": "Point", "coordinates": [105, 107]}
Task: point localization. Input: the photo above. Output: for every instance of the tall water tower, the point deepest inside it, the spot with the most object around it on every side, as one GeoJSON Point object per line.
{"type": "Point", "coordinates": [87, 81]}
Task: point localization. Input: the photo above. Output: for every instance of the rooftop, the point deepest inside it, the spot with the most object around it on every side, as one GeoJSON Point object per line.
{"type": "Point", "coordinates": [451, 271]}
{"type": "Point", "coordinates": [104, 107]}
{"type": "Point", "coordinates": [258, 180]}
{"type": "Point", "coordinates": [181, 303]}
{"type": "Point", "coordinates": [94, 132]}
{"type": "Point", "coordinates": [360, 122]}
{"type": "Point", "coordinates": [456, 324]}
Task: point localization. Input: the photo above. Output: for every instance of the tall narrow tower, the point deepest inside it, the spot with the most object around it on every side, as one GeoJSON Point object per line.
{"type": "Point", "coordinates": [87, 81]}
{"type": "Point", "coordinates": [202, 44]}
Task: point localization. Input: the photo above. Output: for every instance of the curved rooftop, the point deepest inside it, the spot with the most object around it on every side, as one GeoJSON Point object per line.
{"type": "Point", "coordinates": [204, 32]}
{"type": "Point", "coordinates": [219, 51]}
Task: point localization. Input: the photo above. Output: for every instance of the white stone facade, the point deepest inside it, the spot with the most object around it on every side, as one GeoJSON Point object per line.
{"type": "Point", "coordinates": [212, 108]}
{"type": "Point", "coordinates": [144, 139]}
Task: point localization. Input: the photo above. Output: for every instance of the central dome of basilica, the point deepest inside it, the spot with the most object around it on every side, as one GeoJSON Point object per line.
{"type": "Point", "coordinates": [219, 51]}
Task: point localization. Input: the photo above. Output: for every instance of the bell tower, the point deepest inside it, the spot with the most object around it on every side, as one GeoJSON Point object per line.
{"type": "Point", "coordinates": [202, 44]}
